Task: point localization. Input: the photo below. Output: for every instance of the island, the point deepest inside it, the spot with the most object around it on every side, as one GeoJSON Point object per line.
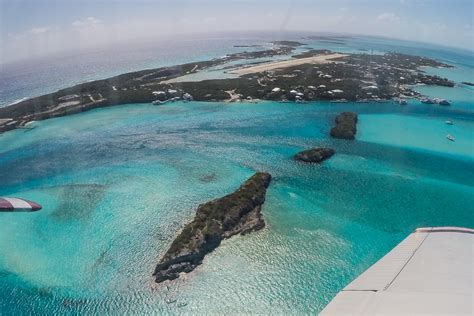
{"type": "Point", "coordinates": [310, 75]}
{"type": "Point", "coordinates": [346, 126]}
{"type": "Point", "coordinates": [236, 213]}
{"type": "Point", "coordinates": [315, 155]}
{"type": "Point", "coordinates": [288, 43]}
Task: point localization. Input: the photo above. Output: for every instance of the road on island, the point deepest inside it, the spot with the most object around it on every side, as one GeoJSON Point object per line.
{"type": "Point", "coordinates": [320, 59]}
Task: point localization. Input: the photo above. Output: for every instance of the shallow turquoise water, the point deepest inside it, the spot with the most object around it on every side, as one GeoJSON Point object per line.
{"type": "Point", "coordinates": [419, 132]}
{"type": "Point", "coordinates": [117, 184]}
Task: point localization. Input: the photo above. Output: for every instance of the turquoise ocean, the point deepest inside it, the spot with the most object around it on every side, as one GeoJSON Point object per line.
{"type": "Point", "coordinates": [117, 184]}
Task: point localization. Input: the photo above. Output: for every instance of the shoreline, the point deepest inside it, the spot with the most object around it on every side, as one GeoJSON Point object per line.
{"type": "Point", "coordinates": [316, 75]}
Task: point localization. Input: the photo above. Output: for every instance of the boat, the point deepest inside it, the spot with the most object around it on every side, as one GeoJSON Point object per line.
{"type": "Point", "coordinates": [451, 138]}
{"type": "Point", "coordinates": [427, 101]}
{"type": "Point", "coordinates": [449, 122]}
{"type": "Point", "coordinates": [11, 204]}
{"type": "Point", "coordinates": [401, 101]}
{"type": "Point", "coordinates": [299, 99]}
{"type": "Point", "coordinates": [444, 102]}
{"type": "Point", "coordinates": [441, 101]}
{"type": "Point", "coordinates": [339, 101]}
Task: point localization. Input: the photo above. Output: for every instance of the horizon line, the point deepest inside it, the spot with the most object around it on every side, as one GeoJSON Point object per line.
{"type": "Point", "coordinates": [209, 35]}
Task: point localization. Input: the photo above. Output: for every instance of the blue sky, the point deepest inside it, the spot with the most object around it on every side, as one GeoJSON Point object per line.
{"type": "Point", "coordinates": [31, 28]}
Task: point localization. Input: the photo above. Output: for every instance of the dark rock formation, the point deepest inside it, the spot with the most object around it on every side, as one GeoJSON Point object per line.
{"type": "Point", "coordinates": [468, 83]}
{"type": "Point", "coordinates": [236, 213]}
{"type": "Point", "coordinates": [346, 126]}
{"type": "Point", "coordinates": [315, 155]}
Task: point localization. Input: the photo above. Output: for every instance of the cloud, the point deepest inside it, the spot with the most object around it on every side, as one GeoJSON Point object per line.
{"type": "Point", "coordinates": [440, 26]}
{"type": "Point", "coordinates": [40, 30]}
{"type": "Point", "coordinates": [87, 22]}
{"type": "Point", "coordinates": [388, 17]}
{"type": "Point", "coordinates": [83, 32]}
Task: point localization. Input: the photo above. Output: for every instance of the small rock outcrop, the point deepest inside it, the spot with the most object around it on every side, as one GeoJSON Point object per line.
{"type": "Point", "coordinates": [315, 155]}
{"type": "Point", "coordinates": [235, 213]}
{"type": "Point", "coordinates": [346, 126]}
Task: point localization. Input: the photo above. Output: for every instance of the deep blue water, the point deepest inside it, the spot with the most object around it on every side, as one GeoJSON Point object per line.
{"type": "Point", "coordinates": [118, 183]}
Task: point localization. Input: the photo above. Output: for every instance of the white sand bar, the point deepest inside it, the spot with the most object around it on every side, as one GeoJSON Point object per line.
{"type": "Point", "coordinates": [320, 59]}
{"type": "Point", "coordinates": [428, 273]}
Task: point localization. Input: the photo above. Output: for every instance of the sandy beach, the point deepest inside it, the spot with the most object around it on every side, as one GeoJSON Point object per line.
{"type": "Point", "coordinates": [321, 59]}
